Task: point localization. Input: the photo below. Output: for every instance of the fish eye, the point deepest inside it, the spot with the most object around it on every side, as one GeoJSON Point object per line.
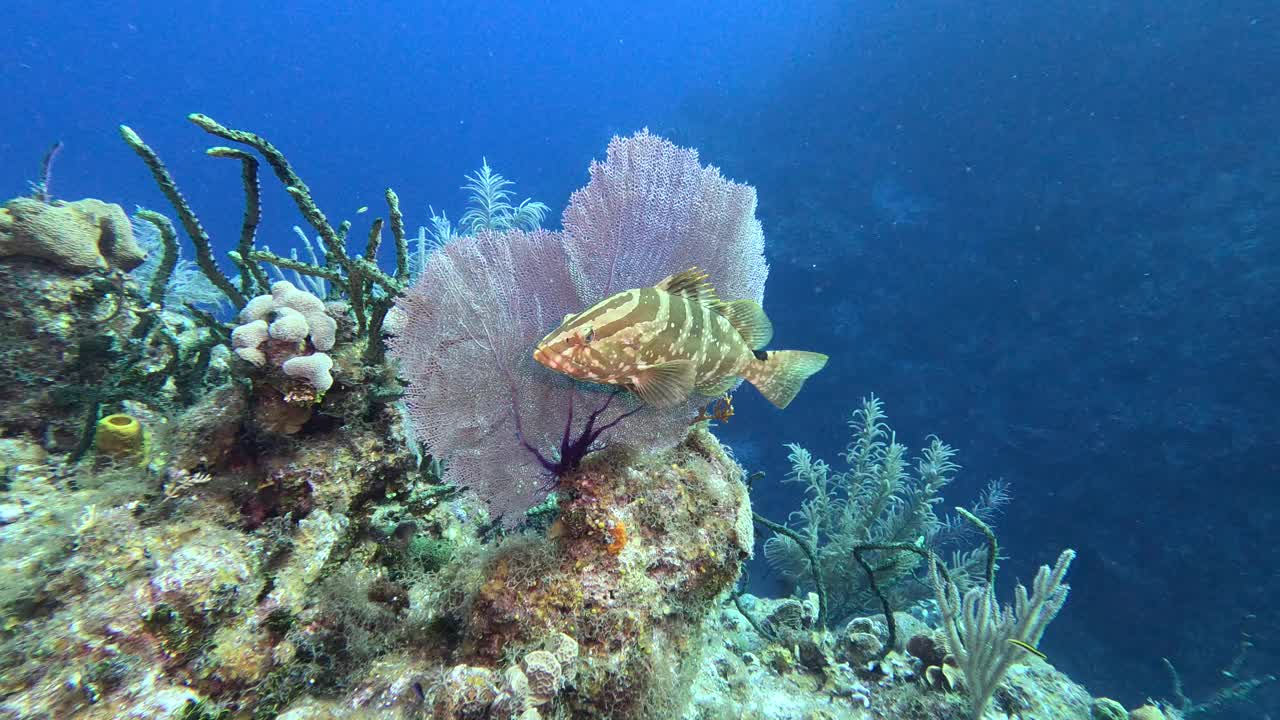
{"type": "Point", "coordinates": [591, 332]}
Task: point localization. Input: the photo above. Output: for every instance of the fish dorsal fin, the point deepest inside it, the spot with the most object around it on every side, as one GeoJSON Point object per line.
{"type": "Point", "coordinates": [665, 384]}
{"type": "Point", "coordinates": [691, 284]}
{"type": "Point", "coordinates": [748, 318]}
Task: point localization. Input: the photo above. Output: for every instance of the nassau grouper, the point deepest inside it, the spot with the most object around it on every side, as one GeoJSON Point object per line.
{"type": "Point", "coordinates": [673, 339]}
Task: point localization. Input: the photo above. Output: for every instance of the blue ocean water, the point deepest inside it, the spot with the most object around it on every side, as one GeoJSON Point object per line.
{"type": "Point", "coordinates": [1043, 231]}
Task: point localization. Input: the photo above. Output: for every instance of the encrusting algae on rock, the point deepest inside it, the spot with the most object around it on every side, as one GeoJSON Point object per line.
{"type": "Point", "coordinates": [635, 609]}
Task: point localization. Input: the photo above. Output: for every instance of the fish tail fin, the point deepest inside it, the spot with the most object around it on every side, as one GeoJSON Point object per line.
{"type": "Point", "coordinates": [780, 373]}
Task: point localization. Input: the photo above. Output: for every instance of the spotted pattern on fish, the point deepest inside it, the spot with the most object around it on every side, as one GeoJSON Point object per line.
{"type": "Point", "coordinates": [671, 340]}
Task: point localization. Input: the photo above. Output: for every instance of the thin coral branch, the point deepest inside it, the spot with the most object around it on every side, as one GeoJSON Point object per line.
{"type": "Point", "coordinates": [199, 238]}
{"type": "Point", "coordinates": [42, 189]}
{"type": "Point", "coordinates": [397, 232]}
{"type": "Point", "coordinates": [810, 552]}
{"type": "Point", "coordinates": [993, 547]}
{"type": "Point", "coordinates": [574, 445]}
{"type": "Point", "coordinates": [297, 266]}
{"type": "Point", "coordinates": [168, 261]}
{"type": "Point", "coordinates": [891, 636]}
{"type": "Point", "coordinates": [250, 273]}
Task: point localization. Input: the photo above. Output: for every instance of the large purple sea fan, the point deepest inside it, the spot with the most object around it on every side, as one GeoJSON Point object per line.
{"type": "Point", "coordinates": [650, 210]}
{"type": "Point", "coordinates": [505, 425]}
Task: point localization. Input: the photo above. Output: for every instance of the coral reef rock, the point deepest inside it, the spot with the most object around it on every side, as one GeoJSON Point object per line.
{"type": "Point", "coordinates": [643, 548]}
{"type": "Point", "coordinates": [57, 340]}
{"type": "Point", "coordinates": [746, 676]}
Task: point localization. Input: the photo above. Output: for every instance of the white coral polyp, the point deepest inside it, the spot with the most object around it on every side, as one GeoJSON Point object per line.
{"type": "Point", "coordinates": [252, 355]}
{"type": "Point", "coordinates": [257, 308]}
{"type": "Point", "coordinates": [324, 330]}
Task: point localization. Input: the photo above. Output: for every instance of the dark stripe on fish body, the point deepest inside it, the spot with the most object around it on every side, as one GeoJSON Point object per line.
{"type": "Point", "coordinates": [592, 314]}
{"type": "Point", "coordinates": [644, 311]}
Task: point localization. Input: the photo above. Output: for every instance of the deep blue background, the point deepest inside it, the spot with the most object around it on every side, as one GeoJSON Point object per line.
{"type": "Point", "coordinates": [1043, 231]}
{"type": "Point", "coordinates": [409, 95]}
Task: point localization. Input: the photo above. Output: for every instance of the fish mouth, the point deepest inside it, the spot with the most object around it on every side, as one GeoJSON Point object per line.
{"type": "Point", "coordinates": [541, 355]}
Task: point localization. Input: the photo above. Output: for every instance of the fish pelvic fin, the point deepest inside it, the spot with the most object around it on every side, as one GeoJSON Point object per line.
{"type": "Point", "coordinates": [782, 373]}
{"type": "Point", "coordinates": [665, 384]}
{"type": "Point", "coordinates": [748, 318]}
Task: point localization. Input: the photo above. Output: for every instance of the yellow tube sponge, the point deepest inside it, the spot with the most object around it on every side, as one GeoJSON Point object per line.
{"type": "Point", "coordinates": [121, 437]}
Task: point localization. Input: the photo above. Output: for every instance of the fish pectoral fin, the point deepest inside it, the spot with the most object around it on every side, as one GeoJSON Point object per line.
{"type": "Point", "coordinates": [717, 387]}
{"type": "Point", "coordinates": [665, 384]}
{"type": "Point", "coordinates": [748, 318]}
{"type": "Point", "coordinates": [691, 284]}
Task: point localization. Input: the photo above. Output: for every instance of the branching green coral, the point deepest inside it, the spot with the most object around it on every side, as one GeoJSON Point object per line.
{"type": "Point", "coordinates": [397, 232]}
{"type": "Point", "coordinates": [196, 231]}
{"type": "Point", "coordinates": [252, 279]}
{"type": "Point", "coordinates": [111, 368]}
{"type": "Point", "coordinates": [1239, 690]}
{"type": "Point", "coordinates": [159, 286]}
{"type": "Point", "coordinates": [876, 503]}
{"type": "Point", "coordinates": [186, 284]}
{"type": "Point", "coordinates": [371, 291]}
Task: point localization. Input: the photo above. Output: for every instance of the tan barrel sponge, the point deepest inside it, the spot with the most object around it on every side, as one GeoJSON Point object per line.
{"type": "Point", "coordinates": [83, 236]}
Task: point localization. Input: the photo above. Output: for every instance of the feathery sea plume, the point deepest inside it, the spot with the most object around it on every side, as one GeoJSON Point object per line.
{"type": "Point", "coordinates": [491, 207]}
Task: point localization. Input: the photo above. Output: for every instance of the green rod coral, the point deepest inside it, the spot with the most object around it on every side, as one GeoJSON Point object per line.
{"type": "Point", "coordinates": [160, 280]}
{"type": "Point", "coordinates": [199, 238]}
{"type": "Point", "coordinates": [252, 279]}
{"type": "Point", "coordinates": [397, 231]}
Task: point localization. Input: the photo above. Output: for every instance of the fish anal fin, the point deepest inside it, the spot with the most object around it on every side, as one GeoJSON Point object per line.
{"type": "Point", "coordinates": [691, 284]}
{"type": "Point", "coordinates": [748, 318]}
{"type": "Point", "coordinates": [665, 384]}
{"type": "Point", "coordinates": [717, 386]}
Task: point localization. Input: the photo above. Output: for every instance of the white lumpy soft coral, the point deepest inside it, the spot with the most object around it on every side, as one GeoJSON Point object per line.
{"type": "Point", "coordinates": [313, 368]}
{"type": "Point", "coordinates": [246, 338]}
{"type": "Point", "coordinates": [284, 305]}
{"type": "Point", "coordinates": [288, 315]}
